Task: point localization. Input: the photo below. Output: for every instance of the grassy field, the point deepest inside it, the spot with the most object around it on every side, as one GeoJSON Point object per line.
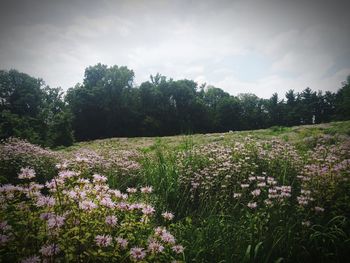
{"type": "Point", "coordinates": [274, 195]}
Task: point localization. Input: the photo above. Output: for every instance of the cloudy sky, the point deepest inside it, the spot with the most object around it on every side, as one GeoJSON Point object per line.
{"type": "Point", "coordinates": [260, 46]}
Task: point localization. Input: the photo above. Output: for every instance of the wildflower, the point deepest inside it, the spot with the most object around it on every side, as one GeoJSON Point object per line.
{"type": "Point", "coordinates": [268, 202]}
{"type": "Point", "coordinates": [305, 192]}
{"type": "Point", "coordinates": [261, 184]}
{"type": "Point", "coordinates": [271, 181]}
{"type": "Point", "coordinates": [256, 192]}
{"type": "Point", "coordinates": [146, 189]}
{"type": "Point", "coordinates": [319, 209]}
{"type": "Point", "coordinates": [107, 202]}
{"type": "Point", "coordinates": [49, 250]}
{"type": "Point", "coordinates": [178, 249]}
{"type": "Point", "coordinates": [237, 195]}
{"type": "Point", "coordinates": [123, 243]}
{"type": "Point", "coordinates": [168, 216]}
{"type": "Point", "coordinates": [103, 240]}
{"type": "Point", "coordinates": [167, 237]}
{"type": "Point", "coordinates": [137, 253]}
{"type": "Point", "coordinates": [244, 185]}
{"type": "Point", "coordinates": [99, 178]}
{"type": "Point", "coordinates": [34, 187]}
{"type": "Point", "coordinates": [111, 220]}
{"type": "Point", "coordinates": [159, 230]}
{"type": "Point", "coordinates": [155, 247]}
{"type": "Point", "coordinates": [148, 210]}
{"type": "Point", "coordinates": [122, 206]}
{"type": "Point", "coordinates": [26, 173]}
{"type": "Point", "coordinates": [45, 201]}
{"type": "Point", "coordinates": [252, 205]}
{"type": "Point", "coordinates": [61, 166]}
{"type": "Point", "coordinates": [55, 221]}
{"type": "Point", "coordinates": [251, 178]}
{"type": "Point", "coordinates": [131, 190]}
{"type": "Point", "coordinates": [87, 205]}
{"type": "Point", "coordinates": [66, 174]}
{"type": "Point", "coordinates": [46, 216]}
{"type": "Point", "coordinates": [32, 259]}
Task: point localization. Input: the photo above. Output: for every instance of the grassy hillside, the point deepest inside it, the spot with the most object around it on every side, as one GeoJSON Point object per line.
{"type": "Point", "coordinates": [273, 195]}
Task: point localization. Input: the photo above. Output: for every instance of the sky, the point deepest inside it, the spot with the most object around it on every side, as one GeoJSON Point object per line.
{"type": "Point", "coordinates": [243, 46]}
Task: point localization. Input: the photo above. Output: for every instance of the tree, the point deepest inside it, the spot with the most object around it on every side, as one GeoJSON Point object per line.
{"type": "Point", "coordinates": [30, 109]}
{"type": "Point", "coordinates": [102, 106]}
{"type": "Point", "coordinates": [343, 101]}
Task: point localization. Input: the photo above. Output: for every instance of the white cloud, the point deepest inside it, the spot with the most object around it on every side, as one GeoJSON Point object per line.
{"type": "Point", "coordinates": [298, 42]}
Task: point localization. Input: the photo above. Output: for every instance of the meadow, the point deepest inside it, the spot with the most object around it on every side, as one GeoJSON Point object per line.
{"type": "Point", "coordinates": [274, 195]}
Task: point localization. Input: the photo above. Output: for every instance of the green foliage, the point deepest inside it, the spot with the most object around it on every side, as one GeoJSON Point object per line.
{"type": "Point", "coordinates": [32, 111]}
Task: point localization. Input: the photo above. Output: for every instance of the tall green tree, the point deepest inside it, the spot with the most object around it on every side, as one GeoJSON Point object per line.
{"type": "Point", "coordinates": [31, 110]}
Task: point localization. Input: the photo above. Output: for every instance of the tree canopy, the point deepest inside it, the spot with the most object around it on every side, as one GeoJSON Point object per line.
{"type": "Point", "coordinates": [108, 104]}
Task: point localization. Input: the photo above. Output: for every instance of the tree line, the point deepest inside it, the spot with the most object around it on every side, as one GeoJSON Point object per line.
{"type": "Point", "coordinates": [108, 104]}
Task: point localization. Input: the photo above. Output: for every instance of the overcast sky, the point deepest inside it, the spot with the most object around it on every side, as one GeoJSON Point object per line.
{"type": "Point", "coordinates": [261, 46]}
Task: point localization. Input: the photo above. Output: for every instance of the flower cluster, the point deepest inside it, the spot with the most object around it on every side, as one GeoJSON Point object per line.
{"type": "Point", "coordinates": [81, 219]}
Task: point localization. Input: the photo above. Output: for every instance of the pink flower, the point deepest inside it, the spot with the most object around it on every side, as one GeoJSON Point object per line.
{"type": "Point", "coordinates": [111, 220]}
{"type": "Point", "coordinates": [146, 189]}
{"type": "Point", "coordinates": [99, 178]}
{"type": "Point", "coordinates": [107, 202]}
{"type": "Point", "coordinates": [155, 247]}
{"type": "Point", "coordinates": [178, 249]}
{"type": "Point", "coordinates": [262, 184]}
{"type": "Point", "coordinates": [87, 205]}
{"type": "Point", "coordinates": [131, 190]}
{"type": "Point", "coordinates": [66, 174]}
{"type": "Point", "coordinates": [159, 230]}
{"type": "Point", "coordinates": [49, 250]}
{"type": "Point", "coordinates": [45, 201]}
{"type": "Point", "coordinates": [26, 173]}
{"type": "Point", "coordinates": [148, 210]}
{"type": "Point", "coordinates": [46, 216]}
{"type": "Point", "coordinates": [252, 205]}
{"type": "Point", "coordinates": [244, 185]}
{"type": "Point", "coordinates": [168, 216]}
{"type": "Point", "coordinates": [123, 243]}
{"type": "Point", "coordinates": [167, 238]}
{"type": "Point", "coordinates": [103, 240]}
{"type": "Point", "coordinates": [256, 192]}
{"type": "Point", "coordinates": [137, 253]}
{"type": "Point", "coordinates": [55, 221]}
